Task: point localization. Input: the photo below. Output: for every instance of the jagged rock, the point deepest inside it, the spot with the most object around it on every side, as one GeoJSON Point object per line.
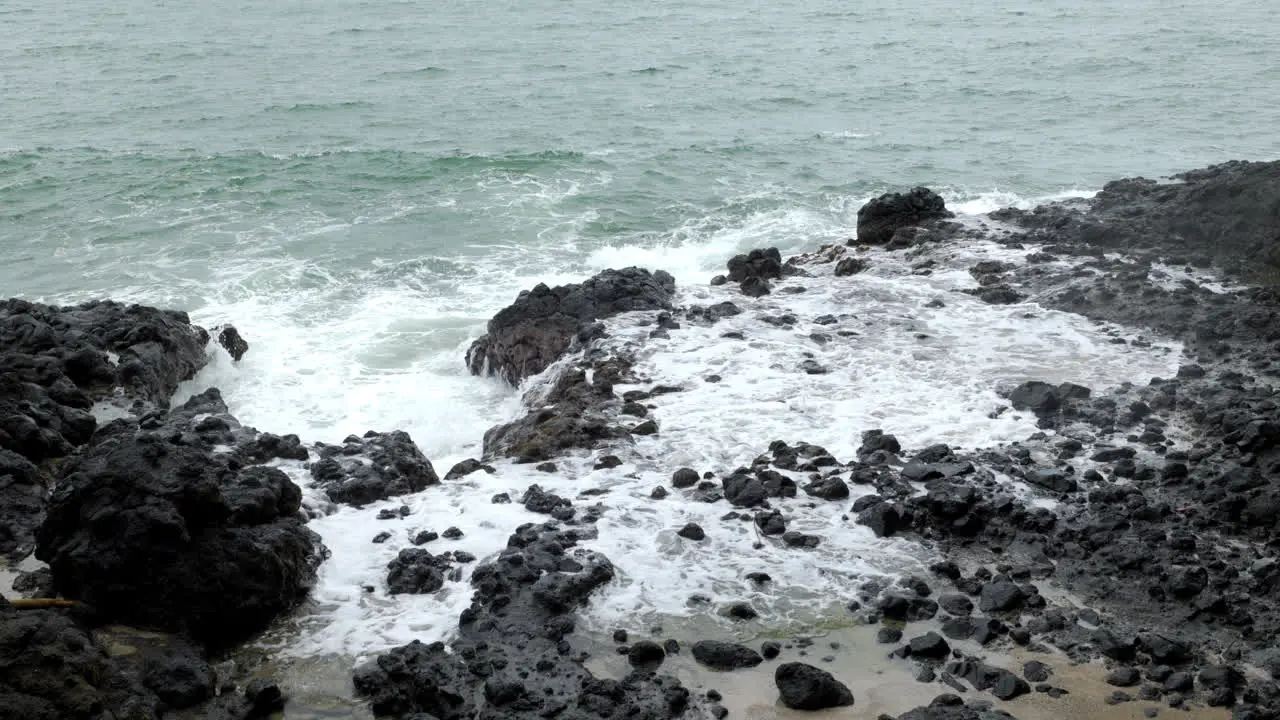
{"type": "Point", "coordinates": [375, 467]}
{"type": "Point", "coordinates": [231, 341]}
{"type": "Point", "coordinates": [762, 264]}
{"type": "Point", "coordinates": [575, 412]}
{"type": "Point", "coordinates": [850, 266]}
{"type": "Point", "coordinates": [154, 528]}
{"type": "Point", "coordinates": [879, 219]}
{"type": "Point", "coordinates": [521, 610]}
{"type": "Point", "coordinates": [828, 488]}
{"type": "Point", "coordinates": [692, 531]}
{"type": "Point", "coordinates": [524, 338]}
{"type": "Point", "coordinates": [416, 571]}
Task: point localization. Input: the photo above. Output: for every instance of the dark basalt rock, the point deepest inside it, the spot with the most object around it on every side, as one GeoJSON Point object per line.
{"type": "Point", "coordinates": [375, 467]}
{"type": "Point", "coordinates": [805, 687]}
{"type": "Point", "coordinates": [719, 655]}
{"type": "Point", "coordinates": [573, 413]}
{"type": "Point", "coordinates": [850, 266]}
{"type": "Point", "coordinates": [153, 528]}
{"type": "Point", "coordinates": [879, 219]}
{"type": "Point", "coordinates": [763, 264]}
{"type": "Point", "coordinates": [524, 338]}
{"type": "Point", "coordinates": [416, 571]}
{"type": "Point", "coordinates": [828, 488]}
{"type": "Point", "coordinates": [56, 361]}
{"type": "Point", "coordinates": [52, 667]}
{"type": "Point", "coordinates": [510, 660]}
{"type": "Point", "coordinates": [22, 500]}
{"type": "Point", "coordinates": [466, 467]}
{"type": "Point", "coordinates": [231, 341]}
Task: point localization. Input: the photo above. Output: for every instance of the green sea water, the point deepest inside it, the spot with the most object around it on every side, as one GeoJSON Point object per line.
{"type": "Point", "coordinates": [165, 150]}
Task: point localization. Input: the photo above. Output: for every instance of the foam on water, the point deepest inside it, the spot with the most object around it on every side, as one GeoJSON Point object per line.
{"type": "Point", "coordinates": [335, 355]}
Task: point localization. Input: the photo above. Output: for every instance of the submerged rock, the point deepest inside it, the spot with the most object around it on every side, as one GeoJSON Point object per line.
{"type": "Point", "coordinates": [527, 336]}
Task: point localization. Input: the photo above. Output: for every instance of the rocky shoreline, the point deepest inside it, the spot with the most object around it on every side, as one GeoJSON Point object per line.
{"type": "Point", "coordinates": [1138, 530]}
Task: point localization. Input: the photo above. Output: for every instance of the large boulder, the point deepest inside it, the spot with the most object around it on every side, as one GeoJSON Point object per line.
{"type": "Point", "coordinates": [534, 331]}
{"type": "Point", "coordinates": [578, 411]}
{"type": "Point", "coordinates": [522, 609]}
{"type": "Point", "coordinates": [375, 467]}
{"type": "Point", "coordinates": [55, 362]}
{"type": "Point", "coordinates": [880, 218]}
{"type": "Point", "coordinates": [22, 498]}
{"type": "Point", "coordinates": [805, 687]}
{"type": "Point", "coordinates": [156, 526]}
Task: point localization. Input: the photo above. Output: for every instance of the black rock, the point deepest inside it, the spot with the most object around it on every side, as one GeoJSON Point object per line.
{"type": "Point", "coordinates": [217, 555]}
{"type": "Point", "coordinates": [1123, 677]}
{"type": "Point", "coordinates": [765, 264]}
{"type": "Point", "coordinates": [805, 687]}
{"type": "Point", "coordinates": [231, 341]}
{"type": "Point", "coordinates": [534, 331]}
{"type": "Point", "coordinates": [828, 488]}
{"type": "Point", "coordinates": [744, 490]}
{"type": "Point", "coordinates": [879, 219]}
{"type": "Point", "coordinates": [850, 266]}
{"type": "Point", "coordinates": [1052, 479]}
{"type": "Point", "coordinates": [770, 649]}
{"type": "Point", "coordinates": [465, 468]}
{"type": "Point", "coordinates": [999, 595]}
{"type": "Point", "coordinates": [415, 571]}
{"type": "Point", "coordinates": [888, 635]}
{"type": "Point", "coordinates": [375, 467]}
{"type": "Point", "coordinates": [796, 539]}
{"type": "Point", "coordinates": [684, 478]}
{"type": "Point", "coordinates": [931, 646]}
{"type": "Point", "coordinates": [955, 604]}
{"type": "Point", "coordinates": [1036, 671]}
{"type": "Point", "coordinates": [771, 523]}
{"type": "Point", "coordinates": [646, 654]}
{"type": "Point", "coordinates": [725, 656]}
{"type": "Point", "coordinates": [883, 519]}
{"type": "Point", "coordinates": [692, 531]}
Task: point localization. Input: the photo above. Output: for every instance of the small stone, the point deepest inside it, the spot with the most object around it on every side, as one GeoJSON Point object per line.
{"type": "Point", "coordinates": [692, 531]}
{"type": "Point", "coordinates": [931, 645]}
{"type": "Point", "coordinates": [451, 533]}
{"type": "Point", "coordinates": [1123, 677]}
{"type": "Point", "coordinates": [888, 635]}
{"type": "Point", "coordinates": [771, 649]}
{"type": "Point", "coordinates": [1036, 671]}
{"type": "Point", "coordinates": [381, 537]}
{"type": "Point", "coordinates": [741, 611]}
{"type": "Point", "coordinates": [659, 493]}
{"type": "Point", "coordinates": [546, 467]}
{"type": "Point", "coordinates": [619, 636]}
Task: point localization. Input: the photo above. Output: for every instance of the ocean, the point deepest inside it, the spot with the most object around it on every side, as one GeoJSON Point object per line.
{"type": "Point", "coordinates": [359, 186]}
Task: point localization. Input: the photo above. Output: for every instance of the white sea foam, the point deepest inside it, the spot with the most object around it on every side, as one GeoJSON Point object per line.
{"type": "Point", "coordinates": [333, 356]}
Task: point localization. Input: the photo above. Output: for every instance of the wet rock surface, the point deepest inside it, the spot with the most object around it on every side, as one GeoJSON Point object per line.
{"type": "Point", "coordinates": [374, 467]}
{"type": "Point", "coordinates": [160, 523]}
{"type": "Point", "coordinates": [534, 331]}
{"type": "Point", "coordinates": [512, 658]}
{"type": "Point", "coordinates": [578, 411]}
{"type": "Point", "coordinates": [880, 219]}
{"type": "Point", "coordinates": [55, 363]}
